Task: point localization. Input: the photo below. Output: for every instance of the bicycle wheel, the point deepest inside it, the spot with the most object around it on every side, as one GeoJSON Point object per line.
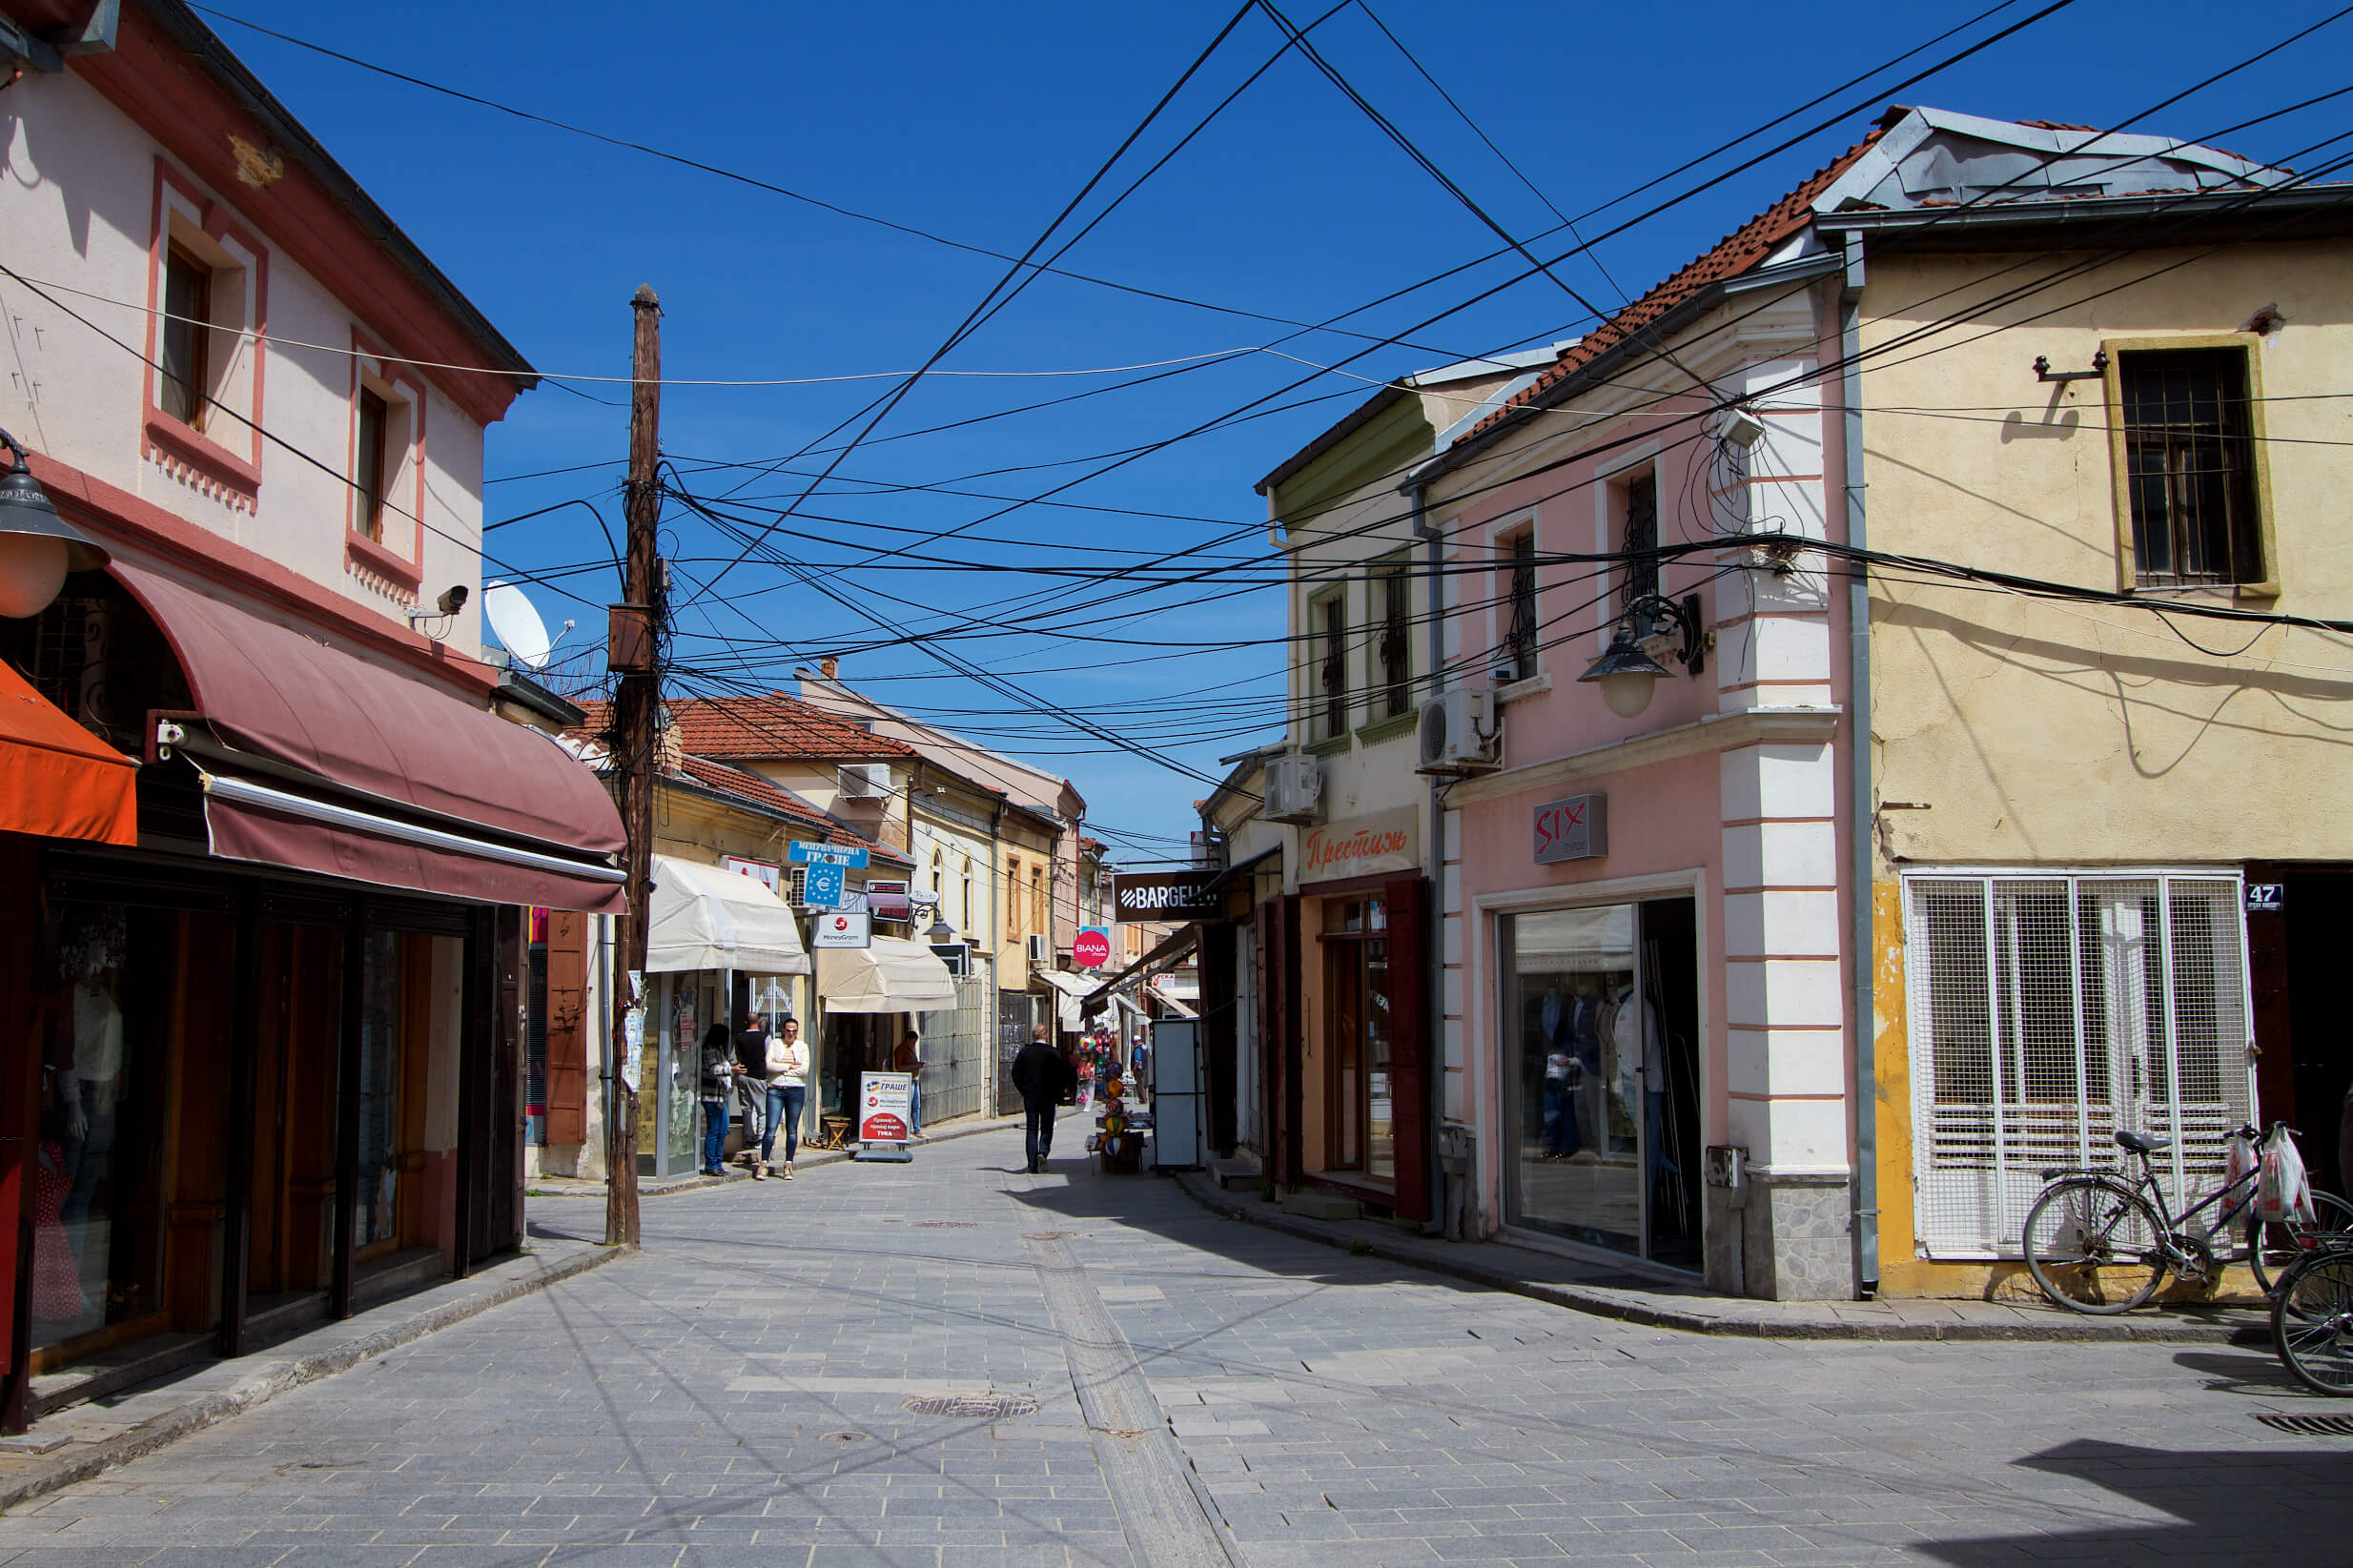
{"type": "Point", "coordinates": [2094, 1245]}
{"type": "Point", "coordinates": [2271, 1248]}
{"type": "Point", "coordinates": [2312, 1322]}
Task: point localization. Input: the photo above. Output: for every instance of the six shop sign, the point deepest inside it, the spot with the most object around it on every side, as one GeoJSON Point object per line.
{"type": "Point", "coordinates": [1576, 829]}
{"type": "Point", "coordinates": [1164, 895]}
{"type": "Point", "coordinates": [1092, 949]}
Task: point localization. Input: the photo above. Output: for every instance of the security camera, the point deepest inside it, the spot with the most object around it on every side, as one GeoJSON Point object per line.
{"type": "Point", "coordinates": [453, 598]}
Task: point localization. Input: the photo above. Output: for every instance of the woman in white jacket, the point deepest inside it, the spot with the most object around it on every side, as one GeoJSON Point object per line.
{"type": "Point", "coordinates": [788, 1075]}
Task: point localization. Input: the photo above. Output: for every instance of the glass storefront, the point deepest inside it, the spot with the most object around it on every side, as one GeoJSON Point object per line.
{"type": "Point", "coordinates": [1600, 1017]}
{"type": "Point", "coordinates": [112, 974]}
{"type": "Point", "coordinates": [376, 1201]}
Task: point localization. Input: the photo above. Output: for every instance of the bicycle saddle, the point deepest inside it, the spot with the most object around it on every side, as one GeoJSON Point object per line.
{"type": "Point", "coordinates": [2139, 1145]}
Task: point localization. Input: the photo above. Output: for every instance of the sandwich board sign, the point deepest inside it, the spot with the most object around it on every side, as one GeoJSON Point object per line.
{"type": "Point", "coordinates": [885, 1115]}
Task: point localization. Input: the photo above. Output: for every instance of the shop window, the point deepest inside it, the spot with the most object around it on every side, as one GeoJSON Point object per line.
{"type": "Point", "coordinates": [2190, 470]}
{"type": "Point", "coordinates": [1600, 1017]}
{"type": "Point", "coordinates": [2048, 1012]}
{"type": "Point", "coordinates": [375, 1199]}
{"type": "Point", "coordinates": [1327, 618]}
{"type": "Point", "coordinates": [97, 1189]}
{"type": "Point", "coordinates": [1520, 633]}
{"type": "Point", "coordinates": [1395, 648]}
{"type": "Point", "coordinates": [1360, 1129]}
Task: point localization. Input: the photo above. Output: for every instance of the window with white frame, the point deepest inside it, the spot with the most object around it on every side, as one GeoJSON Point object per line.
{"type": "Point", "coordinates": [2050, 1011]}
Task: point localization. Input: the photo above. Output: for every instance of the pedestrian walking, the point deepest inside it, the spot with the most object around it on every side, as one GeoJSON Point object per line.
{"type": "Point", "coordinates": [1041, 1076]}
{"type": "Point", "coordinates": [787, 1076]}
{"type": "Point", "coordinates": [719, 1069]}
{"type": "Point", "coordinates": [751, 1056]}
{"type": "Point", "coordinates": [909, 1059]}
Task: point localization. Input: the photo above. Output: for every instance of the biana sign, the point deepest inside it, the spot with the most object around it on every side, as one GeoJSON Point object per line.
{"type": "Point", "coordinates": [1090, 949]}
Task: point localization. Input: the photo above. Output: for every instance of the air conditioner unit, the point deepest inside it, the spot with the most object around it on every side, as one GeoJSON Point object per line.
{"type": "Point", "coordinates": [1041, 949]}
{"type": "Point", "coordinates": [865, 782]}
{"type": "Point", "coordinates": [1459, 732]}
{"type": "Point", "coordinates": [955, 955]}
{"type": "Point", "coordinates": [1294, 789]}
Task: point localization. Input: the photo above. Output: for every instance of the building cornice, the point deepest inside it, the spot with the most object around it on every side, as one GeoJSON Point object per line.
{"type": "Point", "coordinates": [1716, 732]}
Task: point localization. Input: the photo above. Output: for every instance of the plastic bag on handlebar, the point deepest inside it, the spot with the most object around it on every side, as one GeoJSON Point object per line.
{"type": "Point", "coordinates": [2240, 1158]}
{"type": "Point", "coordinates": [2285, 1192]}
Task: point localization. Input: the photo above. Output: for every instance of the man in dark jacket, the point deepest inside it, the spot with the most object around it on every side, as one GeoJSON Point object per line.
{"type": "Point", "coordinates": [1041, 1076]}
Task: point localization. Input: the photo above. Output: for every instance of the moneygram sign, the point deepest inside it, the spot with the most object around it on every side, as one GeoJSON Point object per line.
{"type": "Point", "coordinates": [1165, 895]}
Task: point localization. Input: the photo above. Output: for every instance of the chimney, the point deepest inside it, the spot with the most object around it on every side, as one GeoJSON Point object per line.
{"type": "Point", "coordinates": [829, 666]}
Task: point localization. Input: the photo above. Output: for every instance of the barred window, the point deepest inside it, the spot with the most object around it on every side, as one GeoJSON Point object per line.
{"type": "Point", "coordinates": [2189, 463]}
{"type": "Point", "coordinates": [1520, 639]}
{"type": "Point", "coordinates": [1638, 536]}
{"type": "Point", "coordinates": [1329, 618]}
{"type": "Point", "coordinates": [2047, 1012]}
{"type": "Point", "coordinates": [1396, 641]}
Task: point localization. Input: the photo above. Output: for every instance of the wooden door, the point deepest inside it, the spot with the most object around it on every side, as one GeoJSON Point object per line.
{"type": "Point", "coordinates": [567, 1028]}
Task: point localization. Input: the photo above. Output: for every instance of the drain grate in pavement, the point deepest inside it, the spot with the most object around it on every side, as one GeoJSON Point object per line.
{"type": "Point", "coordinates": [945, 1225]}
{"type": "Point", "coordinates": [973, 1407]}
{"type": "Point", "coordinates": [2311, 1426]}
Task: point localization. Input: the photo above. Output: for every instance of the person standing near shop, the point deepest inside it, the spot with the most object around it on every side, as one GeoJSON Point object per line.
{"type": "Point", "coordinates": [909, 1059]}
{"type": "Point", "coordinates": [787, 1076]}
{"type": "Point", "coordinates": [1040, 1075]}
{"type": "Point", "coordinates": [719, 1069]}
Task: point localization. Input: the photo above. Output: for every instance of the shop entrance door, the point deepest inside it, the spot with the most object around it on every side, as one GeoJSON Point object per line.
{"type": "Point", "coordinates": [1600, 1014]}
{"type": "Point", "coordinates": [2298, 921]}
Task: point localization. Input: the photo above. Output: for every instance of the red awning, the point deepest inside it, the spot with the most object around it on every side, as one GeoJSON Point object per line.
{"type": "Point", "coordinates": [380, 778]}
{"type": "Point", "coordinates": [56, 778]}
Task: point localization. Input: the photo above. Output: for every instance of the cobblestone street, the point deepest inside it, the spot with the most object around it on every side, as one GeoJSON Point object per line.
{"type": "Point", "coordinates": [1204, 1391]}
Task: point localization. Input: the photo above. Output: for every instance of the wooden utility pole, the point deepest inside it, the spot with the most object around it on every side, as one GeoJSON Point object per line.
{"type": "Point", "coordinates": [633, 652]}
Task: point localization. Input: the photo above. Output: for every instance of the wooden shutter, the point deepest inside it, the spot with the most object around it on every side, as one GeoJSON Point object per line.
{"type": "Point", "coordinates": [1409, 899]}
{"type": "Point", "coordinates": [567, 1027]}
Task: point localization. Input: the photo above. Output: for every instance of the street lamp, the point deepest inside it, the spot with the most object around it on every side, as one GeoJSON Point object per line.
{"type": "Point", "coordinates": [1625, 673]}
{"type": "Point", "coordinates": [941, 933]}
{"type": "Point", "coordinates": [37, 547]}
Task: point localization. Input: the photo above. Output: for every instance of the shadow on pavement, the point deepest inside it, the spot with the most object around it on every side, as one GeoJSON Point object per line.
{"type": "Point", "coordinates": [2281, 1509]}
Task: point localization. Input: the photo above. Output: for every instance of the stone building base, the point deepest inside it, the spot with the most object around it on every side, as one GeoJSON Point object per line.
{"type": "Point", "coordinates": [1796, 1237]}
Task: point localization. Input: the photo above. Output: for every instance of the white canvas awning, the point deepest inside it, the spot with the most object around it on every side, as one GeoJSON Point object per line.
{"type": "Point", "coordinates": [1074, 988]}
{"type": "Point", "coordinates": [1131, 1005]}
{"type": "Point", "coordinates": [706, 917]}
{"type": "Point", "coordinates": [894, 975]}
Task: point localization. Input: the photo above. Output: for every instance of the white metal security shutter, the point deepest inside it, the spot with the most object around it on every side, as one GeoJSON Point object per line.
{"type": "Point", "coordinates": [2050, 1009]}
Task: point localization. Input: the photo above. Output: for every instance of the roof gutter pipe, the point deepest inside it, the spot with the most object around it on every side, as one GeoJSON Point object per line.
{"type": "Point", "coordinates": [1862, 939]}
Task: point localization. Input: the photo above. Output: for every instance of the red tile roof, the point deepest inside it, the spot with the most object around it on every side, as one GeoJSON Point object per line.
{"type": "Point", "coordinates": [751, 787]}
{"type": "Point", "coordinates": [774, 726]}
{"type": "Point", "coordinates": [1731, 255]}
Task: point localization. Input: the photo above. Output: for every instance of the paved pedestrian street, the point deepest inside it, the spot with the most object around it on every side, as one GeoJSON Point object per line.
{"type": "Point", "coordinates": [1204, 1391]}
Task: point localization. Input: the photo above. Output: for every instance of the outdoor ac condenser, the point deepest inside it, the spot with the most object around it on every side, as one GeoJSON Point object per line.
{"type": "Point", "coordinates": [1459, 732]}
{"type": "Point", "coordinates": [1294, 789]}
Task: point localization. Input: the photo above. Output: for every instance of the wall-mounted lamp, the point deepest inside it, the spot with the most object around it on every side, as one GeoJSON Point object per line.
{"type": "Point", "coordinates": [37, 547]}
{"type": "Point", "coordinates": [1625, 673]}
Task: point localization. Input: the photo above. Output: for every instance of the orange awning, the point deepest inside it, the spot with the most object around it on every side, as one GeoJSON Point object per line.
{"type": "Point", "coordinates": [56, 778]}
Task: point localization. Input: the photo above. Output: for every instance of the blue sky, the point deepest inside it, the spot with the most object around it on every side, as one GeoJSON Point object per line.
{"type": "Point", "coordinates": [979, 124]}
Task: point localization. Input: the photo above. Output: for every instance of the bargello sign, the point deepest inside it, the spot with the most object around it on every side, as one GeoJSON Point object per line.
{"type": "Point", "coordinates": [1164, 895]}
{"type": "Point", "coordinates": [1360, 846]}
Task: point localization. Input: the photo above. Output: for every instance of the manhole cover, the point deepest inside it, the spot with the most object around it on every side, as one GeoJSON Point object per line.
{"type": "Point", "coordinates": [2314, 1426]}
{"type": "Point", "coordinates": [973, 1407]}
{"type": "Point", "coordinates": [947, 1225]}
{"type": "Point", "coordinates": [1048, 1235]}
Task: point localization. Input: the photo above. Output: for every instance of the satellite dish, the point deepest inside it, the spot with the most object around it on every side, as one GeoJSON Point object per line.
{"type": "Point", "coordinates": [519, 627]}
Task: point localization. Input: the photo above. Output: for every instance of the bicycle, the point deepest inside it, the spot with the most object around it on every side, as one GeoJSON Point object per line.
{"type": "Point", "coordinates": [2312, 1316]}
{"type": "Point", "coordinates": [2097, 1241]}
